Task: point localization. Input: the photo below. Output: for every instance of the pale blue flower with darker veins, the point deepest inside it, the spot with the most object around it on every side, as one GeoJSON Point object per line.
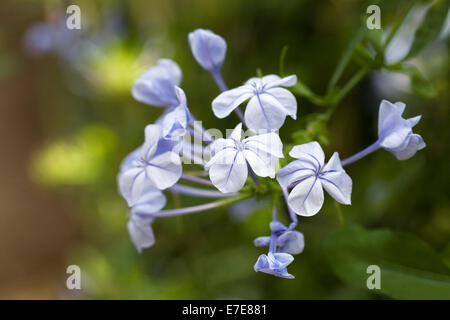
{"type": "Point", "coordinates": [156, 86]}
{"type": "Point", "coordinates": [156, 163]}
{"type": "Point", "coordinates": [274, 264]}
{"type": "Point", "coordinates": [268, 106]}
{"type": "Point", "coordinates": [208, 49]}
{"type": "Point", "coordinates": [231, 157]}
{"type": "Point", "coordinates": [288, 241]}
{"type": "Point", "coordinates": [395, 133]}
{"type": "Point", "coordinates": [175, 120]}
{"type": "Point", "coordinates": [139, 225]}
{"type": "Point", "coordinates": [308, 176]}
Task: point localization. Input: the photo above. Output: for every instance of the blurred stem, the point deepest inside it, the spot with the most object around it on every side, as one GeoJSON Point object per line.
{"type": "Point", "coordinates": [373, 147]}
{"type": "Point", "coordinates": [199, 208]}
{"type": "Point", "coordinates": [196, 179]}
{"type": "Point", "coordinates": [292, 214]}
{"type": "Point", "coordinates": [196, 192]}
{"type": "Point", "coordinates": [357, 77]}
{"type": "Point", "coordinates": [339, 213]}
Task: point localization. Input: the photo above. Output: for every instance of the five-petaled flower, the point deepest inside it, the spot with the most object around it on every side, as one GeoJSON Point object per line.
{"type": "Point", "coordinates": [308, 174]}
{"type": "Point", "coordinates": [156, 86]}
{"type": "Point", "coordinates": [395, 133]}
{"type": "Point", "coordinates": [156, 164]}
{"type": "Point", "coordinates": [231, 157]}
{"type": "Point", "coordinates": [268, 106]}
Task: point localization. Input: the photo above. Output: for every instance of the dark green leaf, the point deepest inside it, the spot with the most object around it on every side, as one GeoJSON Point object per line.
{"type": "Point", "coordinates": [410, 268]}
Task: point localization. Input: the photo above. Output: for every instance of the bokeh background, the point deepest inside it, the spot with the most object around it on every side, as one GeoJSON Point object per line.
{"type": "Point", "coordinates": [67, 119]}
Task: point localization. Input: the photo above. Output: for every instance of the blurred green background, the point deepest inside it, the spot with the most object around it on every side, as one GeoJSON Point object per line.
{"type": "Point", "coordinates": [67, 119]}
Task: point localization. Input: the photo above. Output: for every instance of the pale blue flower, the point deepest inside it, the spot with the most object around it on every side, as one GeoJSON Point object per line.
{"type": "Point", "coordinates": [139, 227]}
{"type": "Point", "coordinates": [175, 120]}
{"type": "Point", "coordinates": [268, 106]}
{"type": "Point", "coordinates": [208, 49]}
{"type": "Point", "coordinates": [308, 175]}
{"type": "Point", "coordinates": [274, 264]}
{"type": "Point", "coordinates": [156, 86]}
{"type": "Point", "coordinates": [395, 133]}
{"type": "Point", "coordinates": [156, 164]}
{"type": "Point", "coordinates": [288, 241]}
{"type": "Point", "coordinates": [230, 157]}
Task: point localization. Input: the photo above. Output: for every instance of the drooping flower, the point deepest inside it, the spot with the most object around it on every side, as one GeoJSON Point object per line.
{"type": "Point", "coordinates": [175, 120]}
{"type": "Point", "coordinates": [288, 241]}
{"type": "Point", "coordinates": [308, 175]}
{"type": "Point", "coordinates": [156, 86]}
{"type": "Point", "coordinates": [268, 106]}
{"type": "Point", "coordinates": [395, 133]}
{"type": "Point", "coordinates": [230, 158]}
{"type": "Point", "coordinates": [156, 164]}
{"type": "Point", "coordinates": [274, 264]}
{"type": "Point", "coordinates": [139, 226]}
{"type": "Point", "coordinates": [208, 49]}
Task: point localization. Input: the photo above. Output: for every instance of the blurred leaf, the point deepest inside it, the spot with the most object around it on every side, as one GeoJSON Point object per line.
{"type": "Point", "coordinates": [419, 84]}
{"type": "Point", "coordinates": [410, 268]}
{"type": "Point", "coordinates": [303, 90]}
{"type": "Point", "coordinates": [357, 38]}
{"type": "Point", "coordinates": [315, 129]}
{"type": "Point", "coordinates": [430, 28]}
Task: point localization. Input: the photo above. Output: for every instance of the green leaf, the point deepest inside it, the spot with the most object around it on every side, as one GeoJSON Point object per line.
{"type": "Point", "coordinates": [430, 27]}
{"type": "Point", "coordinates": [410, 268]}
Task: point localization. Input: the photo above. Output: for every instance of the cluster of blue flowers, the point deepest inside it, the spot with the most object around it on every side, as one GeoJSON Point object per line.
{"type": "Point", "coordinates": [157, 165]}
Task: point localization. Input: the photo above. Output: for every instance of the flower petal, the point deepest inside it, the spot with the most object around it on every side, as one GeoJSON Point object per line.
{"type": "Point", "coordinates": [296, 170]}
{"type": "Point", "coordinates": [141, 232]}
{"type": "Point", "coordinates": [412, 145]}
{"type": "Point", "coordinates": [228, 171]}
{"type": "Point", "coordinates": [261, 241]}
{"type": "Point", "coordinates": [286, 99]}
{"type": "Point", "coordinates": [229, 100]}
{"type": "Point", "coordinates": [267, 143]}
{"type": "Point", "coordinates": [236, 134]}
{"type": "Point", "coordinates": [152, 135]}
{"type": "Point", "coordinates": [291, 242]}
{"type": "Point", "coordinates": [306, 198]}
{"type": "Point", "coordinates": [151, 200]}
{"type": "Point", "coordinates": [131, 184]}
{"type": "Point", "coordinates": [164, 170]}
{"type": "Point", "coordinates": [312, 149]}
{"type": "Point", "coordinates": [264, 112]}
{"type": "Point", "coordinates": [271, 81]}
{"type": "Point", "coordinates": [336, 181]}
{"type": "Point", "coordinates": [263, 164]}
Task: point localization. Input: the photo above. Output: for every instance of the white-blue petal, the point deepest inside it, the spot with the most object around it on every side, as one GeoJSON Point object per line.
{"type": "Point", "coordinates": [296, 170]}
{"type": "Point", "coordinates": [312, 150]}
{"type": "Point", "coordinates": [286, 99]}
{"type": "Point", "coordinates": [228, 170]}
{"type": "Point", "coordinates": [229, 100]}
{"type": "Point", "coordinates": [141, 232]}
{"type": "Point", "coordinates": [164, 170]}
{"type": "Point", "coordinates": [336, 181]}
{"type": "Point", "coordinates": [131, 184]}
{"type": "Point", "coordinates": [291, 242]}
{"type": "Point", "coordinates": [306, 198]}
{"type": "Point", "coordinates": [264, 112]}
